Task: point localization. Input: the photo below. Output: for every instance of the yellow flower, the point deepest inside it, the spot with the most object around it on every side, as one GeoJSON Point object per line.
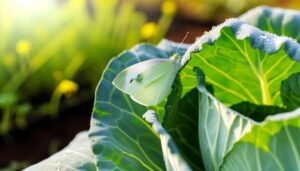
{"type": "Point", "coordinates": [23, 47]}
{"type": "Point", "coordinates": [67, 87]}
{"type": "Point", "coordinates": [149, 30]}
{"type": "Point", "coordinates": [169, 7]}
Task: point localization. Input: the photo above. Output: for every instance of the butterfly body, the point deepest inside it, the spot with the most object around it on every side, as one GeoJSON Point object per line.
{"type": "Point", "coordinates": [149, 82]}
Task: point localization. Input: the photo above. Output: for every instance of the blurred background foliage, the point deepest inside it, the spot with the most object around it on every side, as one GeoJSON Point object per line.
{"type": "Point", "coordinates": [52, 49]}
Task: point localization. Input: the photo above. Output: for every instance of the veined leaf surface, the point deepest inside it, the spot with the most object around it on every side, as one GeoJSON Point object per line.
{"type": "Point", "coordinates": [229, 141]}
{"type": "Point", "coordinates": [121, 138]}
{"type": "Point", "coordinates": [242, 63]}
{"type": "Point", "coordinates": [271, 145]}
{"type": "Point", "coordinates": [219, 127]}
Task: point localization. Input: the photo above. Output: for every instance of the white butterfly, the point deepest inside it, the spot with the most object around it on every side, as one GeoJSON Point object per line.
{"type": "Point", "coordinates": [149, 82]}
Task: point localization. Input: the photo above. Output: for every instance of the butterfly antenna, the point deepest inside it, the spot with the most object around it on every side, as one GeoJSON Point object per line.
{"type": "Point", "coordinates": [186, 35]}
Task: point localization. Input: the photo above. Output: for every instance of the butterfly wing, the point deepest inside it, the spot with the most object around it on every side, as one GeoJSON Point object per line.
{"type": "Point", "coordinates": [125, 79]}
{"type": "Point", "coordinates": [154, 73]}
{"type": "Point", "coordinates": [155, 92]}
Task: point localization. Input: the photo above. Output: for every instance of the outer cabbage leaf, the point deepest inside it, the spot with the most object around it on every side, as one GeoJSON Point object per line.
{"type": "Point", "coordinates": [77, 155]}
{"type": "Point", "coordinates": [280, 21]}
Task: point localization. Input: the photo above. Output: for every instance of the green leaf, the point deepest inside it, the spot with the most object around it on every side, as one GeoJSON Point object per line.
{"type": "Point", "coordinates": [230, 141]}
{"type": "Point", "coordinates": [242, 63]}
{"type": "Point", "coordinates": [290, 91]}
{"type": "Point", "coordinates": [219, 127]}
{"type": "Point", "coordinates": [256, 112]}
{"type": "Point", "coordinates": [121, 139]}
{"type": "Point", "coordinates": [275, 20]}
{"type": "Point", "coordinates": [181, 122]}
{"type": "Point", "coordinates": [172, 157]}
{"type": "Point", "coordinates": [271, 145]}
{"type": "Point", "coordinates": [76, 156]}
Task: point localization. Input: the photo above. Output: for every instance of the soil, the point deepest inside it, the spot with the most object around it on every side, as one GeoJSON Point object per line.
{"type": "Point", "coordinates": [42, 138]}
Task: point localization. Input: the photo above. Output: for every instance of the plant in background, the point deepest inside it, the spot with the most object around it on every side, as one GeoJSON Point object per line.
{"type": "Point", "coordinates": [227, 110]}
{"type": "Point", "coordinates": [50, 43]}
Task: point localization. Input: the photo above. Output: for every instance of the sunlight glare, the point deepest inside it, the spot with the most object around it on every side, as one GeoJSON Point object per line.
{"type": "Point", "coordinates": [27, 3]}
{"type": "Point", "coordinates": [32, 6]}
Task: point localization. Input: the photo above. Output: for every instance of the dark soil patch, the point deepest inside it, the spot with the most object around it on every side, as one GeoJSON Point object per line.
{"type": "Point", "coordinates": [45, 136]}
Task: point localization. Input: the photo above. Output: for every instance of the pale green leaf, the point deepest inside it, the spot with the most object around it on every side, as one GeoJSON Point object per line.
{"type": "Point", "coordinates": [172, 157]}
{"type": "Point", "coordinates": [271, 145]}
{"type": "Point", "coordinates": [219, 127]}
{"type": "Point", "coordinates": [229, 141]}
